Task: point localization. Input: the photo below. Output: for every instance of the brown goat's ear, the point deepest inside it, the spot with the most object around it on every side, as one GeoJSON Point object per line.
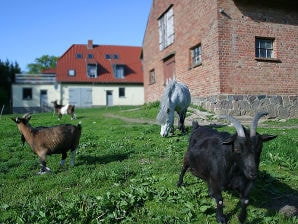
{"type": "Point", "coordinates": [16, 120]}
{"type": "Point", "coordinates": [266, 138]}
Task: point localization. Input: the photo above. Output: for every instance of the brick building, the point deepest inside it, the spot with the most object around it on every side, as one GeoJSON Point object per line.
{"type": "Point", "coordinates": [236, 56]}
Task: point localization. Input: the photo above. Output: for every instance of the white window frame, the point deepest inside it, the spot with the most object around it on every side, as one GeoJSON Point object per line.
{"type": "Point", "coordinates": [166, 29]}
{"type": "Point", "coordinates": [119, 71]}
{"type": "Point", "coordinates": [264, 47]}
{"type": "Point", "coordinates": [92, 70]}
{"type": "Point", "coordinates": [71, 72]}
{"type": "Point", "coordinates": [196, 55]}
{"type": "Point", "coordinates": [152, 76]}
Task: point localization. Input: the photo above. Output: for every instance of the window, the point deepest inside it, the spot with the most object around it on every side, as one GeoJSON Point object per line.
{"type": "Point", "coordinates": [196, 55]}
{"type": "Point", "coordinates": [71, 72]}
{"type": "Point", "coordinates": [79, 56]}
{"type": "Point", "coordinates": [118, 71]}
{"type": "Point", "coordinates": [264, 48]}
{"type": "Point", "coordinates": [166, 29]}
{"type": "Point", "coordinates": [107, 56]}
{"type": "Point", "coordinates": [152, 77]}
{"type": "Point", "coordinates": [90, 56]}
{"type": "Point", "coordinates": [116, 56]}
{"type": "Point", "coordinates": [92, 70]}
{"type": "Point", "coordinates": [27, 93]}
{"type": "Point", "coordinates": [121, 92]}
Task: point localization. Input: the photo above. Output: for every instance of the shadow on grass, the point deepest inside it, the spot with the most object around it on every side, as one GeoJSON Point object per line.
{"type": "Point", "coordinates": [268, 193]}
{"type": "Point", "coordinates": [91, 160]}
{"type": "Point", "coordinates": [271, 194]}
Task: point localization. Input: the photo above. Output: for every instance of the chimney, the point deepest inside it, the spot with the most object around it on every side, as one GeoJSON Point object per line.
{"type": "Point", "coordinates": [90, 44]}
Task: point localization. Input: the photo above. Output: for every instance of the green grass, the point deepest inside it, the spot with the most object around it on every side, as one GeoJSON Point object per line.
{"type": "Point", "coordinates": [126, 173]}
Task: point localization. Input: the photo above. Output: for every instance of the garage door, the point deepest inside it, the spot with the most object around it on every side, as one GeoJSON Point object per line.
{"type": "Point", "coordinates": [81, 97]}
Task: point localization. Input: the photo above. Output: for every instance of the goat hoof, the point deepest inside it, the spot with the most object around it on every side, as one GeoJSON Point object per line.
{"type": "Point", "coordinates": [221, 219]}
{"type": "Point", "coordinates": [44, 170]}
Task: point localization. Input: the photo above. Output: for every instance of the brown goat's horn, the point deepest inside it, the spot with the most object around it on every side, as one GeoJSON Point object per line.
{"type": "Point", "coordinates": [235, 123]}
{"type": "Point", "coordinates": [27, 115]}
{"type": "Point", "coordinates": [254, 123]}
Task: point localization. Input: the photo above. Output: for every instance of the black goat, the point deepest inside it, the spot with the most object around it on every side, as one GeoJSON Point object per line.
{"type": "Point", "coordinates": [225, 161]}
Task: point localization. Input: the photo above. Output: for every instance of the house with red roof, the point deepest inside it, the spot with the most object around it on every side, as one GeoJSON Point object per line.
{"type": "Point", "coordinates": [86, 75]}
{"type": "Point", "coordinates": [101, 75]}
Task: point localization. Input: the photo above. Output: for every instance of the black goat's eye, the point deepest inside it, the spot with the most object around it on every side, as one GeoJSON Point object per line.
{"type": "Point", "coordinates": [237, 150]}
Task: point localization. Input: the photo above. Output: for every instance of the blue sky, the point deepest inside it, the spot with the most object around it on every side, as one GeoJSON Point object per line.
{"type": "Point", "coordinates": [32, 28]}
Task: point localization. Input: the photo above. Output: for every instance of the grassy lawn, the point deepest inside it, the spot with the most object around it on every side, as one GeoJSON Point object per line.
{"type": "Point", "coordinates": [126, 173]}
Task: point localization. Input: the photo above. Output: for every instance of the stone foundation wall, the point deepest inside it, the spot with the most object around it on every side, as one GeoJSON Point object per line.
{"type": "Point", "coordinates": [238, 105]}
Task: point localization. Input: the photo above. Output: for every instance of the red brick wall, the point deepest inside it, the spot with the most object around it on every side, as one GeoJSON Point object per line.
{"type": "Point", "coordinates": [240, 73]}
{"type": "Point", "coordinates": [195, 22]}
{"type": "Point", "coordinates": [228, 48]}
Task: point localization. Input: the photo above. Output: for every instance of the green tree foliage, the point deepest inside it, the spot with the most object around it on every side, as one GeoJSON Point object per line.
{"type": "Point", "coordinates": [44, 62]}
{"type": "Point", "coordinates": [7, 77]}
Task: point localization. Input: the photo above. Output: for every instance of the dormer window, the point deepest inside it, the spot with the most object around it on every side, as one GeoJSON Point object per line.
{"type": "Point", "coordinates": [92, 70]}
{"type": "Point", "coordinates": [118, 71]}
{"type": "Point", "coordinates": [79, 56]}
{"type": "Point", "coordinates": [116, 56]}
{"type": "Point", "coordinates": [107, 56]}
{"type": "Point", "coordinates": [71, 72]}
{"type": "Point", "coordinates": [90, 56]}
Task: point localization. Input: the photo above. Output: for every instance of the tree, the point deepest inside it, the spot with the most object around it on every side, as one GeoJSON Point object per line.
{"type": "Point", "coordinates": [44, 62]}
{"type": "Point", "coordinates": [7, 77]}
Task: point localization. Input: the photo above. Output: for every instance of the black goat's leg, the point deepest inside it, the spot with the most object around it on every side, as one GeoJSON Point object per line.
{"type": "Point", "coordinates": [215, 190]}
{"type": "Point", "coordinates": [219, 208]}
{"type": "Point", "coordinates": [244, 200]}
{"type": "Point", "coordinates": [183, 170]}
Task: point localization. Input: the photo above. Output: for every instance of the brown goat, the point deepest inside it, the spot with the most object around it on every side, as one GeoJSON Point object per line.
{"type": "Point", "coordinates": [50, 140]}
{"type": "Point", "coordinates": [61, 109]}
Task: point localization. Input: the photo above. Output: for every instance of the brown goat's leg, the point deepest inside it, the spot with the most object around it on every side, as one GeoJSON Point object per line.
{"type": "Point", "coordinates": [43, 168]}
{"type": "Point", "coordinates": [72, 157]}
{"type": "Point", "coordinates": [62, 162]}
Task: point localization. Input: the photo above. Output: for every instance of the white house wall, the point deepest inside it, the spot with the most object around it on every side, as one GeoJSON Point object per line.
{"type": "Point", "coordinates": [134, 95]}
{"type": "Point", "coordinates": [53, 93]}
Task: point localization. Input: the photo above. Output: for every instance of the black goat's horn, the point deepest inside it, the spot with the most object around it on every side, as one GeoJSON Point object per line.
{"type": "Point", "coordinates": [254, 123]}
{"type": "Point", "coordinates": [235, 123]}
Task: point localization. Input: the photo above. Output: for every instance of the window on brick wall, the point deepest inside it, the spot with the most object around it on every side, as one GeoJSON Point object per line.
{"type": "Point", "coordinates": [196, 55]}
{"type": "Point", "coordinates": [152, 76]}
{"type": "Point", "coordinates": [166, 29]}
{"type": "Point", "coordinates": [264, 48]}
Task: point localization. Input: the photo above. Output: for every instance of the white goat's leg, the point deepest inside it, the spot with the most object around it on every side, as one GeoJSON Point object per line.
{"type": "Point", "coordinates": [72, 157]}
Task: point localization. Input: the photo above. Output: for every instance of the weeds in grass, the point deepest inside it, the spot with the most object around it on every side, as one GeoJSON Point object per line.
{"type": "Point", "coordinates": [126, 173]}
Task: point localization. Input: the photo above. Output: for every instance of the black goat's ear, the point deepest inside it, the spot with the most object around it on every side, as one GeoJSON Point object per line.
{"type": "Point", "coordinates": [228, 141]}
{"type": "Point", "coordinates": [266, 138]}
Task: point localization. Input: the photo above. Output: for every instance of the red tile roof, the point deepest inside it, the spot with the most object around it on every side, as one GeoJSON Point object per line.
{"type": "Point", "coordinates": [127, 55]}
